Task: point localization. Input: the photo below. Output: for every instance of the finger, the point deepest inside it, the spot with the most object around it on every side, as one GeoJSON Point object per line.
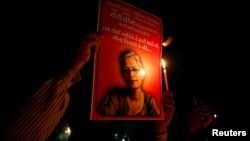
{"type": "Point", "coordinates": [95, 46]}
{"type": "Point", "coordinates": [208, 115]}
{"type": "Point", "coordinates": [207, 122]}
{"type": "Point", "coordinates": [93, 40]}
{"type": "Point", "coordinates": [197, 110]}
{"type": "Point", "coordinates": [169, 108]}
{"type": "Point", "coordinates": [207, 112]}
{"type": "Point", "coordinates": [168, 94]}
{"type": "Point", "coordinates": [167, 98]}
{"type": "Point", "coordinates": [168, 103]}
{"type": "Point", "coordinates": [206, 108]}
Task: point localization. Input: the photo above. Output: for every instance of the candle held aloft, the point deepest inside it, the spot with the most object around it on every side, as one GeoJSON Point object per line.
{"type": "Point", "coordinates": [165, 74]}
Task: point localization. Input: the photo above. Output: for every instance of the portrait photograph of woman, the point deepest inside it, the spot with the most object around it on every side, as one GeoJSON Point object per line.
{"type": "Point", "coordinates": [131, 100]}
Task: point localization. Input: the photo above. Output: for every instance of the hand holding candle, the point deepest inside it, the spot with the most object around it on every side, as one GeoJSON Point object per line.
{"type": "Point", "coordinates": [165, 73]}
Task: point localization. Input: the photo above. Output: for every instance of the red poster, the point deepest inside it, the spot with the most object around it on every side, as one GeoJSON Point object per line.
{"type": "Point", "coordinates": [127, 71]}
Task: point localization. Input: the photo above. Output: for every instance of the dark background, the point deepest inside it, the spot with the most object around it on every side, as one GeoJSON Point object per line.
{"type": "Point", "coordinates": [208, 55]}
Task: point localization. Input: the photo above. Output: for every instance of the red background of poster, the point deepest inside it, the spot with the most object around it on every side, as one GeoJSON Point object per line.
{"type": "Point", "coordinates": [126, 27]}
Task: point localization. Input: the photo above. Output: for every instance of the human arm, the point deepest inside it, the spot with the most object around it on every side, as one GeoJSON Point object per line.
{"type": "Point", "coordinates": [90, 43]}
{"type": "Point", "coordinates": [38, 118]}
{"type": "Point", "coordinates": [160, 126]}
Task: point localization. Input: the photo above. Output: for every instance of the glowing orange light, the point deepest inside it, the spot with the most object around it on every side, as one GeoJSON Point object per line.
{"type": "Point", "coordinates": [165, 73]}
{"type": "Point", "coordinates": [142, 72]}
{"type": "Point", "coordinates": [167, 41]}
{"type": "Point", "coordinates": [163, 63]}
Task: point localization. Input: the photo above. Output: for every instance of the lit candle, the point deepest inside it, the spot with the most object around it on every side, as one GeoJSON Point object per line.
{"type": "Point", "coordinates": [215, 117]}
{"type": "Point", "coordinates": [165, 73]}
{"type": "Point", "coordinates": [167, 42]}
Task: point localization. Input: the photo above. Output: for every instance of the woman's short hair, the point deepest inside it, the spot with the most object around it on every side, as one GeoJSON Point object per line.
{"type": "Point", "coordinates": [128, 53]}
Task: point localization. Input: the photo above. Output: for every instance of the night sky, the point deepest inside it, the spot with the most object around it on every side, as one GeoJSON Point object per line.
{"type": "Point", "coordinates": [208, 57]}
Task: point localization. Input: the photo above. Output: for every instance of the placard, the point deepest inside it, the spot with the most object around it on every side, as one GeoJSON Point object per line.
{"type": "Point", "coordinates": [127, 70]}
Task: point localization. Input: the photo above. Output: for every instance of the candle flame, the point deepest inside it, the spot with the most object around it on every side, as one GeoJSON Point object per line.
{"type": "Point", "coordinates": [215, 115]}
{"type": "Point", "coordinates": [163, 63]}
{"type": "Point", "coordinates": [167, 41]}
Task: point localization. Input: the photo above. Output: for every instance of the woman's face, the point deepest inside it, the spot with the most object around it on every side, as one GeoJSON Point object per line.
{"type": "Point", "coordinates": [131, 72]}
